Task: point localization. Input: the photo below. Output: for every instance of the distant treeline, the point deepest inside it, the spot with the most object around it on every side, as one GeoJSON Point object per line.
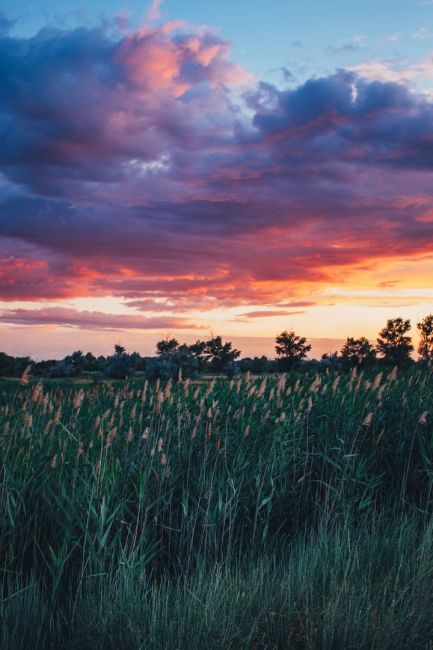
{"type": "Point", "coordinates": [393, 347]}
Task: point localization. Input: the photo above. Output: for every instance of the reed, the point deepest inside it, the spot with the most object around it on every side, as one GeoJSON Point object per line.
{"type": "Point", "coordinates": [239, 501]}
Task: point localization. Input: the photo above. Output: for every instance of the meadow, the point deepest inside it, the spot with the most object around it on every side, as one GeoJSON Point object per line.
{"type": "Point", "coordinates": [287, 511]}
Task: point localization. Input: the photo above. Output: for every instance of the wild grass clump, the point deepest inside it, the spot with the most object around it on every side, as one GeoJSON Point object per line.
{"type": "Point", "coordinates": [260, 513]}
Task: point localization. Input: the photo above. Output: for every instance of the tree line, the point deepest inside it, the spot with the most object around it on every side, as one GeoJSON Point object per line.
{"type": "Point", "coordinates": [393, 347]}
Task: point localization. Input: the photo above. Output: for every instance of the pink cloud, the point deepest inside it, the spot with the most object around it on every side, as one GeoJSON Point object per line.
{"type": "Point", "coordinates": [269, 314]}
{"type": "Point", "coordinates": [91, 320]}
{"type": "Point", "coordinates": [131, 168]}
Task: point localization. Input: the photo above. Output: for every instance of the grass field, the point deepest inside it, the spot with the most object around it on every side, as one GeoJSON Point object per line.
{"type": "Point", "coordinates": [279, 512]}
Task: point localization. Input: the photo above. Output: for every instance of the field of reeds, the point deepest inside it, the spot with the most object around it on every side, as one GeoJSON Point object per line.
{"type": "Point", "coordinates": [279, 512]}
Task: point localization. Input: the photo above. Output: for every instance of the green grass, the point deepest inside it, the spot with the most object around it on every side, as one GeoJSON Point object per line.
{"type": "Point", "coordinates": [287, 513]}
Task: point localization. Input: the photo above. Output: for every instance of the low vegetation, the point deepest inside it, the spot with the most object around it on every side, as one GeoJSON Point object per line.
{"type": "Point", "coordinates": [393, 347]}
{"type": "Point", "coordinates": [284, 511]}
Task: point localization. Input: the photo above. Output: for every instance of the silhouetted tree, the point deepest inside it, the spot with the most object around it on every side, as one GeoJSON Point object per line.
{"type": "Point", "coordinates": [167, 366]}
{"type": "Point", "coordinates": [357, 352]}
{"type": "Point", "coordinates": [231, 369]}
{"type": "Point", "coordinates": [220, 354]}
{"type": "Point", "coordinates": [392, 344]}
{"type": "Point", "coordinates": [425, 347]}
{"type": "Point", "coordinates": [198, 350]}
{"type": "Point", "coordinates": [119, 365]}
{"type": "Point", "coordinates": [257, 365]}
{"type": "Point", "coordinates": [91, 362]}
{"type": "Point", "coordinates": [290, 349]}
{"type": "Point", "coordinates": [167, 346]}
{"type": "Point", "coordinates": [330, 361]}
{"type": "Point", "coordinates": [13, 366]}
{"type": "Point", "coordinates": [43, 368]}
{"type": "Point", "coordinates": [62, 369]}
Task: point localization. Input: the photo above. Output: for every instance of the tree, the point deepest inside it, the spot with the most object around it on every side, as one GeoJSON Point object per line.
{"type": "Point", "coordinates": [330, 361]}
{"type": "Point", "coordinates": [63, 369]}
{"type": "Point", "coordinates": [167, 366]}
{"type": "Point", "coordinates": [290, 349]}
{"type": "Point", "coordinates": [13, 366]}
{"type": "Point", "coordinates": [425, 347]}
{"type": "Point", "coordinates": [392, 344]}
{"type": "Point", "coordinates": [91, 362]}
{"type": "Point", "coordinates": [167, 346]}
{"type": "Point", "coordinates": [257, 365]}
{"type": "Point", "coordinates": [220, 354]}
{"type": "Point", "coordinates": [119, 365]}
{"type": "Point", "coordinates": [357, 352]}
{"type": "Point", "coordinates": [198, 350]}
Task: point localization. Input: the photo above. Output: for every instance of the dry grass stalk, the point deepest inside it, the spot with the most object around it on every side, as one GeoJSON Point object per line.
{"type": "Point", "coordinates": [368, 419]}
{"type": "Point", "coordinates": [167, 389]}
{"type": "Point", "coordinates": [196, 393]}
{"type": "Point", "coordinates": [159, 401]}
{"type": "Point", "coordinates": [37, 393]}
{"type": "Point", "coordinates": [111, 437]}
{"type": "Point", "coordinates": [335, 384]}
{"type": "Point", "coordinates": [381, 391]}
{"type": "Point", "coordinates": [78, 399]}
{"type": "Point", "coordinates": [315, 385]}
{"type": "Point", "coordinates": [24, 379]}
{"type": "Point", "coordinates": [210, 388]}
{"type": "Point", "coordinates": [423, 418]}
{"type": "Point", "coordinates": [262, 388]}
{"type": "Point", "coordinates": [376, 383]}
{"type": "Point", "coordinates": [393, 374]}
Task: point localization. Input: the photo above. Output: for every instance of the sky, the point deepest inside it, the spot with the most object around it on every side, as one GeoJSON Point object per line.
{"type": "Point", "coordinates": [188, 169]}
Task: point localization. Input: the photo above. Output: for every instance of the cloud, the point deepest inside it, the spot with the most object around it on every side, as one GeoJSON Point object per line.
{"type": "Point", "coordinates": [269, 314]}
{"type": "Point", "coordinates": [421, 34]}
{"type": "Point", "coordinates": [154, 12]}
{"type": "Point", "coordinates": [5, 24]}
{"type": "Point", "coordinates": [404, 72]}
{"type": "Point", "coordinates": [352, 44]}
{"type": "Point", "coordinates": [148, 166]}
{"type": "Point", "coordinates": [391, 38]}
{"type": "Point", "coordinates": [91, 320]}
{"type": "Point", "coordinates": [296, 303]}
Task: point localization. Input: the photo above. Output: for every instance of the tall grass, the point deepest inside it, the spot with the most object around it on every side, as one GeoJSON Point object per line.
{"type": "Point", "coordinates": [264, 513]}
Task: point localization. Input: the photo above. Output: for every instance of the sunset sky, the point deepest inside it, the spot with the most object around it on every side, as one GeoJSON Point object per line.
{"type": "Point", "coordinates": [184, 168]}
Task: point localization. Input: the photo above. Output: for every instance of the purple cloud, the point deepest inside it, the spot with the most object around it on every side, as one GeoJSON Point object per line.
{"type": "Point", "coordinates": [148, 166]}
{"type": "Point", "coordinates": [92, 320]}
